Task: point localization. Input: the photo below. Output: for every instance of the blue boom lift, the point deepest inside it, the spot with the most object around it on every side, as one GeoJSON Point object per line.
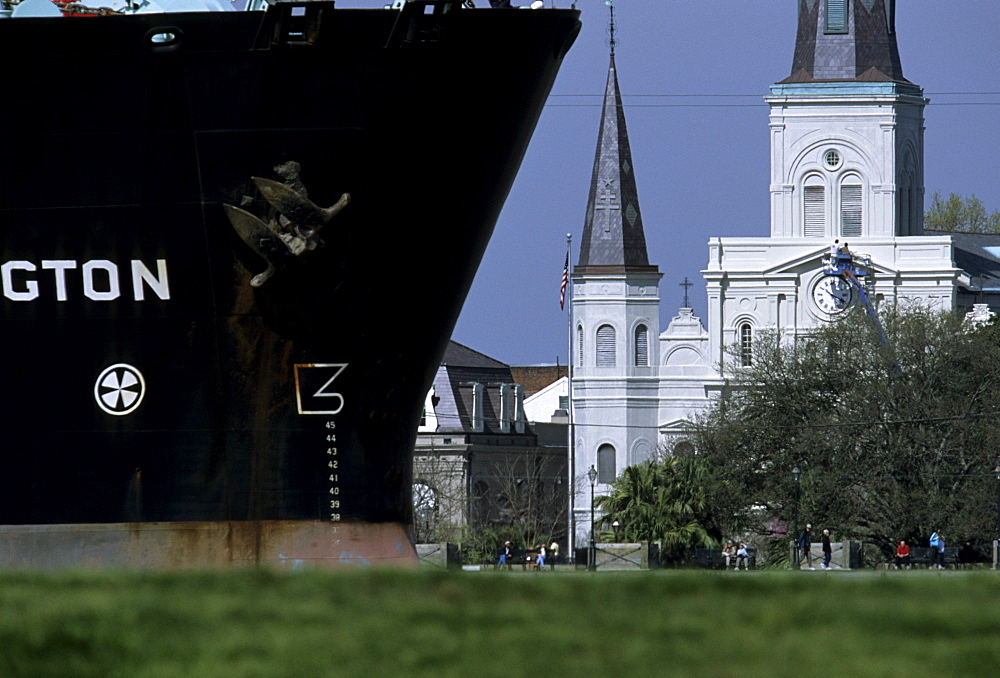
{"type": "Point", "coordinates": [855, 269]}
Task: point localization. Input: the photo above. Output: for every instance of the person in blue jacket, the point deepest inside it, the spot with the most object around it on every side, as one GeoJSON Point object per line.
{"type": "Point", "coordinates": [937, 549]}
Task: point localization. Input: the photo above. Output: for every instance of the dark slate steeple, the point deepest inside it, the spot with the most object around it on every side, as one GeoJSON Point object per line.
{"type": "Point", "coordinates": [613, 239]}
{"type": "Point", "coordinates": [846, 40]}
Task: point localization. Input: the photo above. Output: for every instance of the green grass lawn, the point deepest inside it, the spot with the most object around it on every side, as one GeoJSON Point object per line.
{"type": "Point", "coordinates": [376, 623]}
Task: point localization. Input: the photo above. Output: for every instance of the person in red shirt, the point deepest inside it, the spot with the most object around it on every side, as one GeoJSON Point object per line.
{"type": "Point", "coordinates": [903, 555]}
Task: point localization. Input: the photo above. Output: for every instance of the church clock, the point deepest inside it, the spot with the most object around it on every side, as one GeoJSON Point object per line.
{"type": "Point", "coordinates": [833, 294]}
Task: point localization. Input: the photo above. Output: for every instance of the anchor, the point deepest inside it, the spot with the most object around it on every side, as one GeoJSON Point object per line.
{"type": "Point", "coordinates": [294, 228]}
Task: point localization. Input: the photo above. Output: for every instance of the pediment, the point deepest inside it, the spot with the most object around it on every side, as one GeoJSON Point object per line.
{"type": "Point", "coordinates": [812, 261]}
{"type": "Point", "coordinates": [677, 426]}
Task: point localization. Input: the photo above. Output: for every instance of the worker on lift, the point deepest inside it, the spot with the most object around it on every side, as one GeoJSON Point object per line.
{"type": "Point", "coordinates": [842, 264]}
{"type": "Point", "coordinates": [840, 258]}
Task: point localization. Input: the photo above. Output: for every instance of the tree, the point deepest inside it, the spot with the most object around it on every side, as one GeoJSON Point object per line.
{"type": "Point", "coordinates": [963, 215]}
{"type": "Point", "coordinates": [440, 501]}
{"type": "Point", "coordinates": [523, 497]}
{"type": "Point", "coordinates": [893, 441]}
{"type": "Point", "coordinates": [663, 500]}
{"type": "Point", "coordinates": [483, 501]}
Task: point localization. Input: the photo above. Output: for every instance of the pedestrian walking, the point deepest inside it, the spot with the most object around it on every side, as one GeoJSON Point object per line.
{"type": "Point", "coordinates": [933, 543]}
{"type": "Point", "coordinates": [939, 552]}
{"type": "Point", "coordinates": [804, 543]}
{"type": "Point", "coordinates": [827, 549]}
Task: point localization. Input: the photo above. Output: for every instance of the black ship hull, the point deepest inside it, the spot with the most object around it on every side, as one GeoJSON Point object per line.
{"type": "Point", "coordinates": [163, 410]}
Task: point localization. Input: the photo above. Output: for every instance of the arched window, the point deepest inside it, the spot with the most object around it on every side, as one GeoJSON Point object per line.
{"type": "Point", "coordinates": [909, 209]}
{"type": "Point", "coordinates": [605, 346]}
{"type": "Point", "coordinates": [481, 503]}
{"type": "Point", "coordinates": [746, 344]}
{"type": "Point", "coordinates": [814, 208]}
{"type": "Point", "coordinates": [605, 463]}
{"type": "Point", "coordinates": [641, 346]}
{"type": "Point", "coordinates": [904, 198]}
{"type": "Point", "coordinates": [851, 196]}
{"type": "Point", "coordinates": [579, 345]}
{"type": "Point", "coordinates": [425, 509]}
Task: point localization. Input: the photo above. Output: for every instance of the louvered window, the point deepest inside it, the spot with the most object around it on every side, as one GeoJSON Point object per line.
{"type": "Point", "coordinates": [641, 346]}
{"type": "Point", "coordinates": [836, 16]}
{"type": "Point", "coordinates": [850, 210]}
{"type": "Point", "coordinates": [605, 346]}
{"type": "Point", "coordinates": [605, 463]}
{"type": "Point", "coordinates": [814, 219]}
{"type": "Point", "coordinates": [746, 345]}
{"type": "Point", "coordinates": [579, 345]}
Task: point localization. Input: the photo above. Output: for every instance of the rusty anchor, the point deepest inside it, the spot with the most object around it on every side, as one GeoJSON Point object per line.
{"type": "Point", "coordinates": [294, 228]}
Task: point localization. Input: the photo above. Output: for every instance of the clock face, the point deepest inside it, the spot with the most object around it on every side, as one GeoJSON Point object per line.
{"type": "Point", "coordinates": [833, 294]}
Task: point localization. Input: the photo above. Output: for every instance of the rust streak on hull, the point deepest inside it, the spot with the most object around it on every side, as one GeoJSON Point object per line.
{"type": "Point", "coordinates": [280, 544]}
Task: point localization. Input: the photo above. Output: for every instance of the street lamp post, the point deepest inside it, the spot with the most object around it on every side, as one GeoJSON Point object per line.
{"type": "Point", "coordinates": [592, 560]}
{"type": "Point", "coordinates": [996, 544]}
{"type": "Point", "coordinates": [796, 473]}
{"type": "Point", "coordinates": [616, 526]}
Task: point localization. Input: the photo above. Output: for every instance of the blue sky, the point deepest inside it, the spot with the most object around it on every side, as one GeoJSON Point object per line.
{"type": "Point", "coordinates": [693, 75]}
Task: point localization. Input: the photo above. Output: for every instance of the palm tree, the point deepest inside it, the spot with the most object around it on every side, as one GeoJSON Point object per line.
{"type": "Point", "coordinates": [661, 500]}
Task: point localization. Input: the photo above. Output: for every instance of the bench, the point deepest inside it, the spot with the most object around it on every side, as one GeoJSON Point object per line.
{"type": "Point", "coordinates": [523, 558]}
{"type": "Point", "coordinates": [712, 559]}
{"type": "Point", "coordinates": [921, 555]}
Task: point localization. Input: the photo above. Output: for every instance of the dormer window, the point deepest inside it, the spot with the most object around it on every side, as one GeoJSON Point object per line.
{"type": "Point", "coordinates": [478, 419]}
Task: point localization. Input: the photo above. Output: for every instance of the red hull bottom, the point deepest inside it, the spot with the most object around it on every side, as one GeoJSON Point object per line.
{"type": "Point", "coordinates": [277, 544]}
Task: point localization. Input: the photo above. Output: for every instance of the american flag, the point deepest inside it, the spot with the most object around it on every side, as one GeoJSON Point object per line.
{"type": "Point", "coordinates": [565, 281]}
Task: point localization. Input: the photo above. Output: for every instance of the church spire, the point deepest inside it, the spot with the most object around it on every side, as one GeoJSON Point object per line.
{"type": "Point", "coordinates": [846, 40]}
{"type": "Point", "coordinates": [613, 239]}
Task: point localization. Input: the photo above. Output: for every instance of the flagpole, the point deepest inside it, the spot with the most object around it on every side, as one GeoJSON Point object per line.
{"type": "Point", "coordinates": [571, 538]}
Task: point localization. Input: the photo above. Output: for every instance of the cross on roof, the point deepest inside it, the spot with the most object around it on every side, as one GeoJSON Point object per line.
{"type": "Point", "coordinates": [686, 285]}
{"type": "Point", "coordinates": [611, 26]}
{"type": "Point", "coordinates": [608, 201]}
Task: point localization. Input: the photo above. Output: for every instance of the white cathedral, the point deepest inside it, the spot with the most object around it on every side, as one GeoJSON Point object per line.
{"type": "Point", "coordinates": [847, 162]}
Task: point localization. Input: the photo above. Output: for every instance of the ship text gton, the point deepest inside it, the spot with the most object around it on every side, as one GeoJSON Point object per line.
{"type": "Point", "coordinates": [100, 279]}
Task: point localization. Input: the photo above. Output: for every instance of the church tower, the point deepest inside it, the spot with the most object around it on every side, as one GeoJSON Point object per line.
{"type": "Point", "coordinates": [846, 128]}
{"type": "Point", "coordinates": [615, 321]}
{"type": "Point", "coordinates": [847, 164]}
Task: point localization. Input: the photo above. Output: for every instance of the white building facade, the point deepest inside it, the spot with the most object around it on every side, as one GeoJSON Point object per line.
{"type": "Point", "coordinates": [846, 132]}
